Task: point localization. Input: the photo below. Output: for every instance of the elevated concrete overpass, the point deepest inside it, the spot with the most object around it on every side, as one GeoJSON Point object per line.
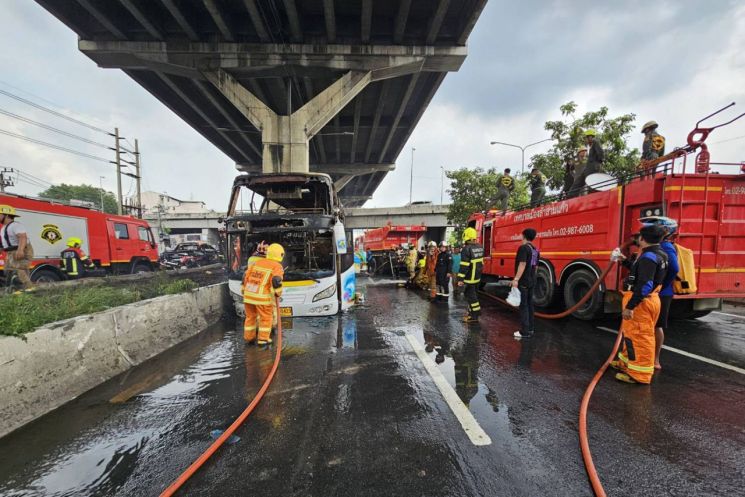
{"type": "Point", "coordinates": [434, 216]}
{"type": "Point", "coordinates": [333, 86]}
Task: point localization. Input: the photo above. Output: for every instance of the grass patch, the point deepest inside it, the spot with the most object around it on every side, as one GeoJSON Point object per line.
{"type": "Point", "coordinates": [22, 313]}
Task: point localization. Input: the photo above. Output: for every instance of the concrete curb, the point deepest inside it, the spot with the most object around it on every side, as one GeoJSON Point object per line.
{"type": "Point", "coordinates": [60, 361]}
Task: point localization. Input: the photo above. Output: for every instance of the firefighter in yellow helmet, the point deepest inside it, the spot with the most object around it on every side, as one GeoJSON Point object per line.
{"type": "Point", "coordinates": [73, 260]}
{"type": "Point", "coordinates": [262, 284]}
{"type": "Point", "coordinates": [17, 247]}
{"type": "Point", "coordinates": [594, 164]}
{"type": "Point", "coordinates": [469, 274]}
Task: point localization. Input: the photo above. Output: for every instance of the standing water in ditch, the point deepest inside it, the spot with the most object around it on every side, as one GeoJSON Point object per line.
{"type": "Point", "coordinates": [127, 435]}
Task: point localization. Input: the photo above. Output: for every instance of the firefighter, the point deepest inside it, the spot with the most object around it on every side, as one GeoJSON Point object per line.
{"type": "Point", "coordinates": [641, 308]}
{"type": "Point", "coordinates": [421, 276]}
{"type": "Point", "coordinates": [430, 267]}
{"type": "Point", "coordinates": [670, 227]}
{"type": "Point", "coordinates": [469, 275]}
{"type": "Point", "coordinates": [411, 259]}
{"type": "Point", "coordinates": [505, 187]}
{"type": "Point", "coordinates": [653, 147]}
{"type": "Point", "coordinates": [17, 248]}
{"type": "Point", "coordinates": [537, 182]}
{"type": "Point", "coordinates": [73, 260]}
{"type": "Point", "coordinates": [262, 283]}
{"type": "Point", "coordinates": [595, 158]}
{"type": "Point", "coordinates": [442, 272]}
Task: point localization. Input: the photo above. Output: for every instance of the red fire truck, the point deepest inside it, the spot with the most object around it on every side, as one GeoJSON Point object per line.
{"type": "Point", "coordinates": [576, 236]}
{"type": "Point", "coordinates": [382, 242]}
{"type": "Point", "coordinates": [119, 244]}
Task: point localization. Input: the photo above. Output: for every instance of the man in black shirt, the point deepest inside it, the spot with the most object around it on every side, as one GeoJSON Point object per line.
{"type": "Point", "coordinates": [526, 262]}
{"type": "Point", "coordinates": [442, 272]}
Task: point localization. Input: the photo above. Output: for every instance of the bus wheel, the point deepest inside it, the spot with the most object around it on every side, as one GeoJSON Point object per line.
{"type": "Point", "coordinates": [545, 290]}
{"type": "Point", "coordinates": [577, 285]}
{"type": "Point", "coordinates": [141, 267]}
{"type": "Point", "coordinates": [45, 276]}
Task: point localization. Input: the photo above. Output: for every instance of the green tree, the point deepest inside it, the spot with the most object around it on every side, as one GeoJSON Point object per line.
{"type": "Point", "coordinates": [474, 190]}
{"type": "Point", "coordinates": [568, 134]}
{"type": "Point", "coordinates": [86, 193]}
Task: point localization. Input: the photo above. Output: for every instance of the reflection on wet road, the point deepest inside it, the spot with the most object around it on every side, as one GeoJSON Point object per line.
{"type": "Point", "coordinates": [353, 412]}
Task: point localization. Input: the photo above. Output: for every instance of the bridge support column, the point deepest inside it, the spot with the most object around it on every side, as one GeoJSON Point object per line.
{"type": "Point", "coordinates": [285, 139]}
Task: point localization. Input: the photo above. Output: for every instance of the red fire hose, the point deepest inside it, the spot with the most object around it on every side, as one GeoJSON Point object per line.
{"type": "Point", "coordinates": [584, 443]}
{"type": "Point", "coordinates": [199, 462]}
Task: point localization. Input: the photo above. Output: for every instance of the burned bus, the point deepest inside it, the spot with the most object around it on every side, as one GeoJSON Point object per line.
{"type": "Point", "coordinates": [302, 212]}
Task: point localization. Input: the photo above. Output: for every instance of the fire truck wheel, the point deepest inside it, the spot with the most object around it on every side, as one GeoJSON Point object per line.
{"type": "Point", "coordinates": [683, 309]}
{"type": "Point", "coordinates": [45, 276]}
{"type": "Point", "coordinates": [545, 290]}
{"type": "Point", "coordinates": [575, 287]}
{"type": "Point", "coordinates": [141, 267]}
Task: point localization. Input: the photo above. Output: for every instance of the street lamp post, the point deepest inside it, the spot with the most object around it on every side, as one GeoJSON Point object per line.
{"type": "Point", "coordinates": [100, 183]}
{"type": "Point", "coordinates": [442, 184]}
{"type": "Point", "coordinates": [522, 149]}
{"type": "Point", "coordinates": [411, 180]}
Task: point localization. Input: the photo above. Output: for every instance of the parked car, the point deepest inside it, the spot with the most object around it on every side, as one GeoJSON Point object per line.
{"type": "Point", "coordinates": [189, 255]}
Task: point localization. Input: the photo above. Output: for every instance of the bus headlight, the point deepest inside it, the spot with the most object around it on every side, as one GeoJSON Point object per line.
{"type": "Point", "coordinates": [324, 294]}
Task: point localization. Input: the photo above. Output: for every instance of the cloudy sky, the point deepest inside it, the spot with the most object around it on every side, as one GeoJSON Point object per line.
{"type": "Point", "coordinates": [672, 61]}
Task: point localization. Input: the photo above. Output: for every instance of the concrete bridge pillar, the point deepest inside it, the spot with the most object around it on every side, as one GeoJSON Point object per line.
{"type": "Point", "coordinates": [285, 139]}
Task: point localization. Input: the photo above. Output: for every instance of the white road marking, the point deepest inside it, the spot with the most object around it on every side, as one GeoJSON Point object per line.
{"type": "Point", "coordinates": [692, 356]}
{"type": "Point", "coordinates": [466, 419]}
{"type": "Point", "coordinates": [728, 314]}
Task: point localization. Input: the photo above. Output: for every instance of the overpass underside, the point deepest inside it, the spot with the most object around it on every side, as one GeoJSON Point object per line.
{"type": "Point", "coordinates": [332, 86]}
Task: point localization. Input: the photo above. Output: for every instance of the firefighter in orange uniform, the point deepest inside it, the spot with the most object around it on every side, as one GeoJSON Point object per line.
{"type": "Point", "coordinates": [430, 265]}
{"type": "Point", "coordinates": [641, 309]}
{"type": "Point", "coordinates": [262, 284]}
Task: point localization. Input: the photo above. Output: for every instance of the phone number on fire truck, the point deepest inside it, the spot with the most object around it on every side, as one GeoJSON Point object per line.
{"type": "Point", "coordinates": [583, 229]}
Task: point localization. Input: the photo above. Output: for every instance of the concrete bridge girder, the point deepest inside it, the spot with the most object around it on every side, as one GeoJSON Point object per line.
{"type": "Point", "coordinates": [285, 138]}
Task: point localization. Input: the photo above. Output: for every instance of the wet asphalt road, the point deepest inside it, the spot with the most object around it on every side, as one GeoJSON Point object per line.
{"type": "Point", "coordinates": [353, 411]}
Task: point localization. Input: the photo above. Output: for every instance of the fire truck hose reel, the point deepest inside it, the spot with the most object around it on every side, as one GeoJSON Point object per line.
{"type": "Point", "coordinates": [202, 459]}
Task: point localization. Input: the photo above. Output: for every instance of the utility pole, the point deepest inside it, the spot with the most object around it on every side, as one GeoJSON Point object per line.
{"type": "Point", "coordinates": [4, 180]}
{"type": "Point", "coordinates": [138, 179]}
{"type": "Point", "coordinates": [119, 208]}
{"type": "Point", "coordinates": [411, 181]}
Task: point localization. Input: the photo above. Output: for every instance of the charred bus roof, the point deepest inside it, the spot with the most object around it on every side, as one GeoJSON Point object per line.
{"type": "Point", "coordinates": [290, 201]}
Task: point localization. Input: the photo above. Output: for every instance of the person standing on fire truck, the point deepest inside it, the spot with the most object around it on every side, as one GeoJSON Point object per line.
{"type": "Point", "coordinates": [471, 266]}
{"type": "Point", "coordinates": [505, 186]}
{"type": "Point", "coordinates": [595, 158]}
{"type": "Point", "coordinates": [262, 284]}
{"type": "Point", "coordinates": [653, 147]}
{"type": "Point", "coordinates": [17, 248]}
{"type": "Point", "coordinates": [641, 308]}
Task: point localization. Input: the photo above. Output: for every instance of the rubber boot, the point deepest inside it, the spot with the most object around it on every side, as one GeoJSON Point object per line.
{"type": "Point", "coordinates": [625, 378]}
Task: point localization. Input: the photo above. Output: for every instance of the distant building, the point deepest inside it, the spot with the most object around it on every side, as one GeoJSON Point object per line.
{"type": "Point", "coordinates": [152, 202]}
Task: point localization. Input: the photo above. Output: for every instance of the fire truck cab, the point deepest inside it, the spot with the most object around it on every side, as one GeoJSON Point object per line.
{"type": "Point", "coordinates": [576, 237]}
{"type": "Point", "coordinates": [117, 244]}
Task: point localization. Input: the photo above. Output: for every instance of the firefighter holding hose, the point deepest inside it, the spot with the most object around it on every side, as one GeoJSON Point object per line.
{"type": "Point", "coordinates": [469, 274]}
{"type": "Point", "coordinates": [641, 308]}
{"type": "Point", "coordinates": [262, 284]}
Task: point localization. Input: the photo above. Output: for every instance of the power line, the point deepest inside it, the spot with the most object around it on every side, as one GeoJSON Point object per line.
{"type": "Point", "coordinates": [52, 128]}
{"type": "Point", "coordinates": [729, 140]}
{"type": "Point", "coordinates": [51, 145]}
{"type": "Point", "coordinates": [54, 112]}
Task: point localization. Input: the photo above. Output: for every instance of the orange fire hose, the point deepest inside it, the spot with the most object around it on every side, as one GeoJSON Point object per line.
{"type": "Point", "coordinates": [199, 462]}
{"type": "Point", "coordinates": [584, 443]}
